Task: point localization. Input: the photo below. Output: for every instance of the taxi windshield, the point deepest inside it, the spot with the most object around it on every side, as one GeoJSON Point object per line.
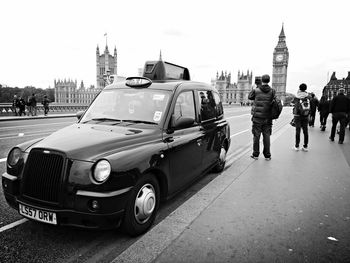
{"type": "Point", "coordinates": [127, 105]}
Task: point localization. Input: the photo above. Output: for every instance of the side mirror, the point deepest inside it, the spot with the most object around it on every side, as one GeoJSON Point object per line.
{"type": "Point", "coordinates": [79, 114]}
{"type": "Point", "coordinates": [183, 122]}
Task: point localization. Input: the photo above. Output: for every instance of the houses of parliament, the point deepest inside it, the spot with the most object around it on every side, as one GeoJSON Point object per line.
{"type": "Point", "coordinates": [67, 91]}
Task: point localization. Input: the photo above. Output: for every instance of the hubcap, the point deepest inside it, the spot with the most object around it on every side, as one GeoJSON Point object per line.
{"type": "Point", "coordinates": [145, 203]}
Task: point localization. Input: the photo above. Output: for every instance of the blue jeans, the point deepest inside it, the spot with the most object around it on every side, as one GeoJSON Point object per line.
{"type": "Point", "coordinates": [301, 123]}
{"type": "Point", "coordinates": [264, 127]}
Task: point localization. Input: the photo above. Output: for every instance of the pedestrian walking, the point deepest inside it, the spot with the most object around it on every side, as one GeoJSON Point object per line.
{"type": "Point", "coordinates": [22, 106]}
{"type": "Point", "coordinates": [301, 112]}
{"type": "Point", "coordinates": [15, 105]}
{"type": "Point", "coordinates": [261, 117]}
{"type": "Point", "coordinates": [323, 109]}
{"type": "Point", "coordinates": [313, 108]}
{"type": "Point", "coordinates": [32, 105]}
{"type": "Point", "coordinates": [45, 103]}
{"type": "Point", "coordinates": [340, 108]}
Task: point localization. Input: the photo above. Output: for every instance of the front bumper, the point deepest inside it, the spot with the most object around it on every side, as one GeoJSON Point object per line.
{"type": "Point", "coordinates": [109, 215]}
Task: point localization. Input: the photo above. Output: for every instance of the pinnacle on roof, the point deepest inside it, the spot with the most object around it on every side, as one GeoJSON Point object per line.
{"type": "Point", "coordinates": [333, 77]}
{"type": "Point", "coordinates": [282, 35]}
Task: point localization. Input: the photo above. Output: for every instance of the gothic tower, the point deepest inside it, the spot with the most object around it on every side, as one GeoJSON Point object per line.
{"type": "Point", "coordinates": [104, 63]}
{"type": "Point", "coordinates": [279, 66]}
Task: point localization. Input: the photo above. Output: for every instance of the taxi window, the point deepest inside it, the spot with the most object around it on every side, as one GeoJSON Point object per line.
{"type": "Point", "coordinates": [207, 105]}
{"type": "Point", "coordinates": [184, 106]}
{"type": "Point", "coordinates": [219, 107]}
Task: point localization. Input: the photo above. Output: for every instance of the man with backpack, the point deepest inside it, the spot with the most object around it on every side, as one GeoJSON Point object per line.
{"type": "Point", "coordinates": [261, 117]}
{"type": "Point", "coordinates": [301, 112]}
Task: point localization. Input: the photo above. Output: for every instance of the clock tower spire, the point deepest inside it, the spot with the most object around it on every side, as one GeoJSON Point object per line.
{"type": "Point", "coordinates": [280, 65]}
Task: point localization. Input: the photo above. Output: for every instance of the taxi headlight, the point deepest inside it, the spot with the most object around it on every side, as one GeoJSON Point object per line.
{"type": "Point", "coordinates": [14, 156]}
{"type": "Point", "coordinates": [102, 171]}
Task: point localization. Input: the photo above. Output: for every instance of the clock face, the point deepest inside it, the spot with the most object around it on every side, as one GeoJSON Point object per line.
{"type": "Point", "coordinates": [279, 58]}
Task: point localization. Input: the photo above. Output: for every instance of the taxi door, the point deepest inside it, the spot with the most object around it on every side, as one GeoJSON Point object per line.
{"type": "Point", "coordinates": [185, 143]}
{"type": "Point", "coordinates": [209, 125]}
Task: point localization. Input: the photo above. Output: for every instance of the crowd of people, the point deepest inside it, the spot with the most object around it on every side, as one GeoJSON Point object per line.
{"type": "Point", "coordinates": [21, 107]}
{"type": "Point", "coordinates": [305, 107]}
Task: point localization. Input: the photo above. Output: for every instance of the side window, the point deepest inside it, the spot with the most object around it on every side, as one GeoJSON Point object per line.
{"type": "Point", "coordinates": [207, 105]}
{"type": "Point", "coordinates": [184, 106]}
{"type": "Point", "coordinates": [219, 108]}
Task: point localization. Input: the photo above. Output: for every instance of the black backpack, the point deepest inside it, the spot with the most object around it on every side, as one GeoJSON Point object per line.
{"type": "Point", "coordinates": [276, 106]}
{"type": "Point", "coordinates": [303, 107]}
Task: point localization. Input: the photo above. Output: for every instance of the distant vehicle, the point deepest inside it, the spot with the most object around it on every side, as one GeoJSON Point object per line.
{"type": "Point", "coordinates": [140, 141]}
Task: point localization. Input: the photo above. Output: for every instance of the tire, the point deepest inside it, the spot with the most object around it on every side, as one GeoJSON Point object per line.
{"type": "Point", "coordinates": [142, 207]}
{"type": "Point", "coordinates": [220, 166]}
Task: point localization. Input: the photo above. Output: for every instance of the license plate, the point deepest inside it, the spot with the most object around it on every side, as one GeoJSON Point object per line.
{"type": "Point", "coordinates": [38, 214]}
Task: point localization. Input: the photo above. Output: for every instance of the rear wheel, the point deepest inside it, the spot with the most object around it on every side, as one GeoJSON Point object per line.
{"type": "Point", "coordinates": [142, 206]}
{"type": "Point", "coordinates": [220, 166]}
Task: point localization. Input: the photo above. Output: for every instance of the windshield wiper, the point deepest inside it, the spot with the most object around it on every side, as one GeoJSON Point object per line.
{"type": "Point", "coordinates": [103, 119]}
{"type": "Point", "coordinates": [140, 121]}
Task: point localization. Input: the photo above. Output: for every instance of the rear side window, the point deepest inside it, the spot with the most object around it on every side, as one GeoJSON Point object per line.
{"type": "Point", "coordinates": [207, 105]}
{"type": "Point", "coordinates": [219, 107]}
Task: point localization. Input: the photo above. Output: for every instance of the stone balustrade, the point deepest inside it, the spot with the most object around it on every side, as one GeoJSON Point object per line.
{"type": "Point", "coordinates": [7, 110]}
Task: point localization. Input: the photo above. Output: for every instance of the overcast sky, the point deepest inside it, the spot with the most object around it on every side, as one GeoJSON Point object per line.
{"type": "Point", "coordinates": [46, 40]}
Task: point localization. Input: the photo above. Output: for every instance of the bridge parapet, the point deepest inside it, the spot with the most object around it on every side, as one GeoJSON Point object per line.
{"type": "Point", "coordinates": [6, 109]}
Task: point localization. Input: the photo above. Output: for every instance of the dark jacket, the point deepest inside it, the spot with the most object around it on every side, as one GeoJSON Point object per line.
{"type": "Point", "coordinates": [340, 103]}
{"type": "Point", "coordinates": [313, 104]}
{"type": "Point", "coordinates": [15, 103]}
{"type": "Point", "coordinates": [45, 102]}
{"type": "Point", "coordinates": [22, 104]}
{"type": "Point", "coordinates": [323, 107]}
{"type": "Point", "coordinates": [262, 97]}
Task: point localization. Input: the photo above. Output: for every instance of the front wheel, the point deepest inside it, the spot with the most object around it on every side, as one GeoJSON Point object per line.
{"type": "Point", "coordinates": [142, 206]}
{"type": "Point", "coordinates": [220, 166]}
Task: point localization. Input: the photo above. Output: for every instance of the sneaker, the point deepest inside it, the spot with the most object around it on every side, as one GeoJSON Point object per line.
{"type": "Point", "coordinates": [268, 158]}
{"type": "Point", "coordinates": [296, 148]}
{"type": "Point", "coordinates": [331, 139]}
{"type": "Point", "coordinates": [305, 149]}
{"type": "Point", "coordinates": [340, 142]}
{"type": "Point", "coordinates": [254, 157]}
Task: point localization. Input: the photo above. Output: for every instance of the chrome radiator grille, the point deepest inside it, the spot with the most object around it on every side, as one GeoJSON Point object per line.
{"type": "Point", "coordinates": [42, 175]}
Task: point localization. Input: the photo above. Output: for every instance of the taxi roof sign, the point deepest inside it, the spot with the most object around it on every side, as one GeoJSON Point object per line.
{"type": "Point", "coordinates": [162, 70]}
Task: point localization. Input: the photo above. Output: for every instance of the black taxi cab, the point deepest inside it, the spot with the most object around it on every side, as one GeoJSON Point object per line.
{"type": "Point", "coordinates": [140, 141]}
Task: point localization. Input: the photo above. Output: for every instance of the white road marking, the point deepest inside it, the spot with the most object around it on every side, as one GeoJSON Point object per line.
{"type": "Point", "coordinates": [2, 160]}
{"type": "Point", "coordinates": [35, 125]}
{"type": "Point", "coordinates": [14, 224]}
{"type": "Point", "coordinates": [27, 135]}
{"type": "Point", "coordinates": [238, 116]}
{"type": "Point", "coordinates": [238, 133]}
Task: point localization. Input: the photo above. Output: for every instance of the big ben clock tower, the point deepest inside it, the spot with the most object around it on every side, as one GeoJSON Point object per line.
{"type": "Point", "coordinates": [279, 66]}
